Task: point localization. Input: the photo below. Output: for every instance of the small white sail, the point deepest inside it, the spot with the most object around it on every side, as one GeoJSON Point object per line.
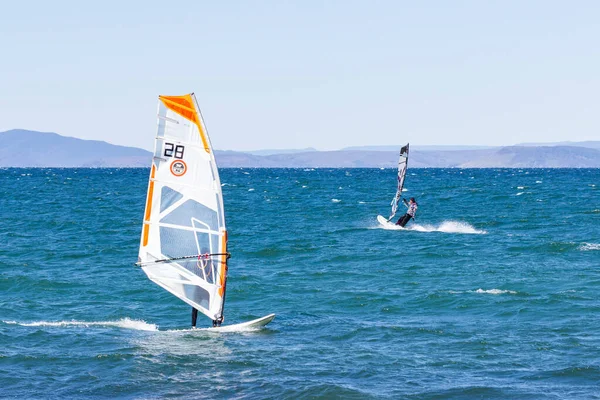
{"type": "Point", "coordinates": [402, 165]}
{"type": "Point", "coordinates": [183, 245]}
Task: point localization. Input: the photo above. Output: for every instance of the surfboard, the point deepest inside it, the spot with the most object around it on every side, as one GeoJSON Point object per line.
{"type": "Point", "coordinates": [249, 325]}
{"type": "Point", "coordinates": [383, 221]}
{"type": "Point", "coordinates": [388, 224]}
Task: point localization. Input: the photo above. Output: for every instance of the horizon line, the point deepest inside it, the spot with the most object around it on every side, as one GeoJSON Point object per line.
{"type": "Point", "coordinates": [345, 148]}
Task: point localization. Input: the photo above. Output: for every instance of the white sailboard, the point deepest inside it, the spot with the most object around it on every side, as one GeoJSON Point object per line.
{"type": "Point", "coordinates": [402, 166]}
{"type": "Point", "coordinates": [245, 326]}
{"type": "Point", "coordinates": [383, 221]}
{"type": "Point", "coordinates": [183, 245]}
{"type": "Point", "coordinates": [389, 224]}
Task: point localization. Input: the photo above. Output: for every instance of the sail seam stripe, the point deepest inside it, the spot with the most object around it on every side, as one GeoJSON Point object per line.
{"type": "Point", "coordinates": [174, 103]}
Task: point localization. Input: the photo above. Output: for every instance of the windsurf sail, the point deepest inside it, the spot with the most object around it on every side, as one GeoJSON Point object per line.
{"type": "Point", "coordinates": [183, 246]}
{"type": "Point", "coordinates": [402, 165]}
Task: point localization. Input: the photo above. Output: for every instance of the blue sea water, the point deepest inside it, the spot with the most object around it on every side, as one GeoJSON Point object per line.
{"type": "Point", "coordinates": [493, 292]}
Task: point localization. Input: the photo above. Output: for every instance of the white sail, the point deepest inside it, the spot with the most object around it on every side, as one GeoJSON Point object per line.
{"type": "Point", "coordinates": [402, 165]}
{"type": "Point", "coordinates": [183, 245]}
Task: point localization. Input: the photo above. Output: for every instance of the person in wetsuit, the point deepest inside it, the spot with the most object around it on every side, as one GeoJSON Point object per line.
{"type": "Point", "coordinates": [410, 213]}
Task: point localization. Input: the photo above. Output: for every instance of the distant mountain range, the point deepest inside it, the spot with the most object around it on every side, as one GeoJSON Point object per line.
{"type": "Point", "coordinates": [23, 148]}
{"type": "Point", "coordinates": [270, 152]}
{"type": "Point", "coordinates": [591, 144]}
{"type": "Point", "coordinates": [418, 147]}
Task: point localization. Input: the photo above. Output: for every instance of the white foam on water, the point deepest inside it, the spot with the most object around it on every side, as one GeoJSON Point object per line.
{"type": "Point", "coordinates": [444, 227]}
{"type": "Point", "coordinates": [538, 181]}
{"type": "Point", "coordinates": [520, 187]}
{"type": "Point", "coordinates": [251, 190]}
{"type": "Point", "coordinates": [391, 227]}
{"type": "Point", "coordinates": [304, 186]}
{"type": "Point", "coordinates": [361, 202]}
{"type": "Point", "coordinates": [482, 291]}
{"type": "Point", "coordinates": [125, 323]}
{"type": "Point", "coordinates": [335, 200]}
{"type": "Point", "coordinates": [495, 291]}
{"type": "Point", "coordinates": [520, 193]}
{"type": "Point", "coordinates": [447, 227]}
{"type": "Point", "coordinates": [589, 246]}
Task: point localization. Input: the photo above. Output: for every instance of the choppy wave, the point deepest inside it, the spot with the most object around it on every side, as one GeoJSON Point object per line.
{"type": "Point", "coordinates": [335, 200]}
{"type": "Point", "coordinates": [484, 291]}
{"type": "Point", "coordinates": [589, 246]}
{"type": "Point", "coordinates": [494, 291]}
{"type": "Point", "coordinates": [125, 323]}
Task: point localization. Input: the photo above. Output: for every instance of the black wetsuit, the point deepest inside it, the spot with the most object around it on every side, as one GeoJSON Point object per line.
{"type": "Point", "coordinates": [404, 220]}
{"type": "Point", "coordinates": [412, 209]}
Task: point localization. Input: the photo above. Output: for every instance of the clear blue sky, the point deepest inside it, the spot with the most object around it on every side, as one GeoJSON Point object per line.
{"type": "Point", "coordinates": [326, 74]}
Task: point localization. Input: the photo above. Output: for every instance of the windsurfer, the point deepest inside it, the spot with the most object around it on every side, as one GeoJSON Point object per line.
{"type": "Point", "coordinates": [410, 213]}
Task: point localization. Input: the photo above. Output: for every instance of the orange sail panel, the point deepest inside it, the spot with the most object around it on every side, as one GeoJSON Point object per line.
{"type": "Point", "coordinates": [149, 206]}
{"type": "Point", "coordinates": [223, 271]}
{"type": "Point", "coordinates": [184, 106]}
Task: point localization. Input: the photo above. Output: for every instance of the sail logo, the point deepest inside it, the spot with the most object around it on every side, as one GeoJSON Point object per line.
{"type": "Point", "coordinates": [178, 168]}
